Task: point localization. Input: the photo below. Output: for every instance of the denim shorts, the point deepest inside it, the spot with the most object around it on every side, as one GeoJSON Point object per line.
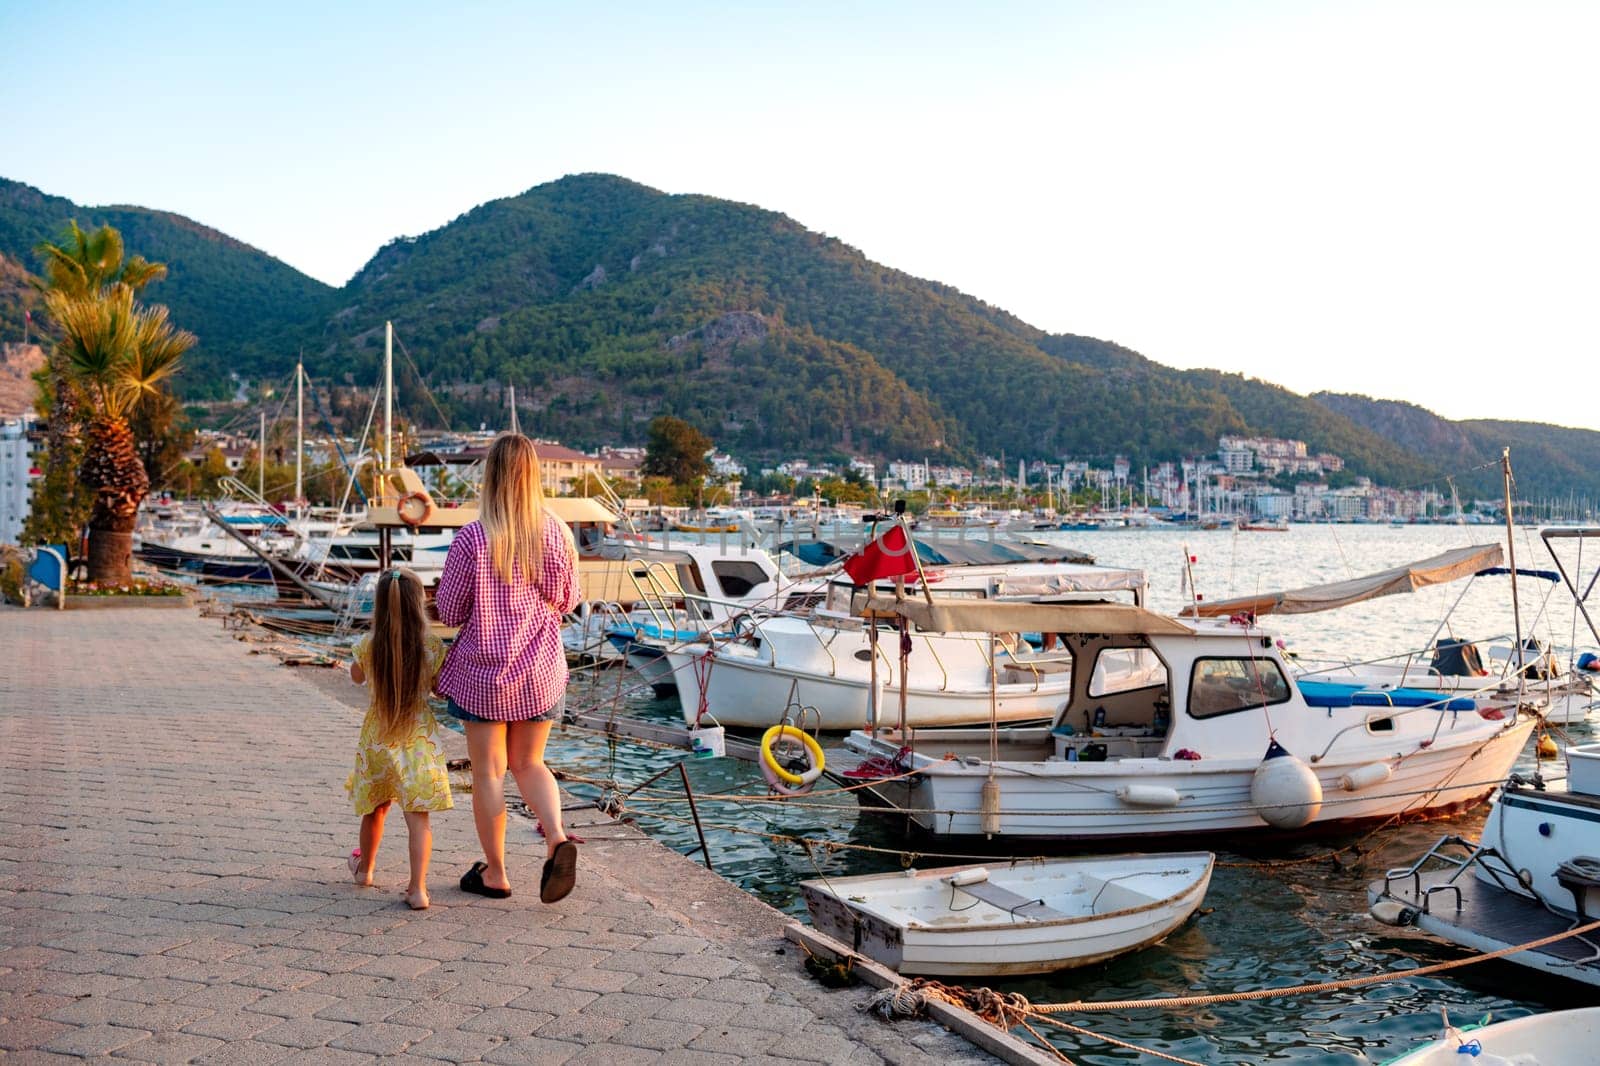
{"type": "Point", "coordinates": [460, 713]}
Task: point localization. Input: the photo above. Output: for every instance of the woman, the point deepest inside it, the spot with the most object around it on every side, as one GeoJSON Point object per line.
{"type": "Point", "coordinates": [507, 581]}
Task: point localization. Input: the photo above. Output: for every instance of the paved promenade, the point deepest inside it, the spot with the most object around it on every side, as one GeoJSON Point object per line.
{"type": "Point", "coordinates": [173, 835]}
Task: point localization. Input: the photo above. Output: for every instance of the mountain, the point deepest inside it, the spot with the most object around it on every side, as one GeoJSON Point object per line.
{"type": "Point", "coordinates": [249, 310]}
{"type": "Point", "coordinates": [1546, 460]}
{"type": "Point", "coordinates": [606, 303]}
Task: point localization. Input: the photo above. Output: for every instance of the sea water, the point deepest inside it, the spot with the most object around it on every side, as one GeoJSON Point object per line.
{"type": "Point", "coordinates": [1262, 925]}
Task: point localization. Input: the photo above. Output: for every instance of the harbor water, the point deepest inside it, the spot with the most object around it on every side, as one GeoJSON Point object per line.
{"type": "Point", "coordinates": [1263, 924]}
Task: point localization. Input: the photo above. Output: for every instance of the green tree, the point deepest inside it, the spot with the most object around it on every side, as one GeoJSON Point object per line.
{"type": "Point", "coordinates": [111, 360]}
{"type": "Point", "coordinates": [677, 452]}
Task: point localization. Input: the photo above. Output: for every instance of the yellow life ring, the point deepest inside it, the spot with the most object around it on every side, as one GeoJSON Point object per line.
{"type": "Point", "coordinates": [421, 516]}
{"type": "Point", "coordinates": [813, 756]}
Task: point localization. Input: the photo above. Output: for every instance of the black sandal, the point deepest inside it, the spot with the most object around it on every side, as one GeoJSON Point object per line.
{"type": "Point", "coordinates": [560, 873]}
{"type": "Point", "coordinates": [472, 881]}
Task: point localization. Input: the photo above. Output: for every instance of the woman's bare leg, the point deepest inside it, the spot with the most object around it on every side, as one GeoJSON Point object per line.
{"type": "Point", "coordinates": [420, 833]}
{"type": "Point", "coordinates": [525, 758]}
{"type": "Point", "coordinates": [371, 836]}
{"type": "Point", "coordinates": [486, 746]}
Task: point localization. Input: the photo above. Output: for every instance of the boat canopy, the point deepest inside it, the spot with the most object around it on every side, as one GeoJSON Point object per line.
{"type": "Point", "coordinates": [972, 551]}
{"type": "Point", "coordinates": [1446, 566]}
{"type": "Point", "coordinates": [1003, 616]}
{"type": "Point", "coordinates": [1059, 581]}
{"type": "Point", "coordinates": [572, 509]}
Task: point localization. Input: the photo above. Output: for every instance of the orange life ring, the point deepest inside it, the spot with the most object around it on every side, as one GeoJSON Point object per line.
{"type": "Point", "coordinates": [422, 516]}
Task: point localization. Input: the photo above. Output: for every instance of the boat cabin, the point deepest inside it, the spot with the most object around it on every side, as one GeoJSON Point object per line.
{"type": "Point", "coordinates": [1146, 686]}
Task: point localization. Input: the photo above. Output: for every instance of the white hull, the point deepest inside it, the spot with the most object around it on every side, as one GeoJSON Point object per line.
{"type": "Point", "coordinates": [1090, 909]}
{"type": "Point", "coordinates": [1078, 800]}
{"type": "Point", "coordinates": [744, 689]}
{"type": "Point", "coordinates": [1561, 1038]}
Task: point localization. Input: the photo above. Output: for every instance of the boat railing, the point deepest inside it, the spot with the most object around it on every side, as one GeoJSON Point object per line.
{"type": "Point", "coordinates": [654, 593]}
{"type": "Point", "coordinates": [1473, 854]}
{"type": "Point", "coordinates": [1347, 666]}
{"type": "Point", "coordinates": [1438, 707]}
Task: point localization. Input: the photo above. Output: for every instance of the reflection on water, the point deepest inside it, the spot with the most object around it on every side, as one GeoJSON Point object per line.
{"type": "Point", "coordinates": [1265, 926]}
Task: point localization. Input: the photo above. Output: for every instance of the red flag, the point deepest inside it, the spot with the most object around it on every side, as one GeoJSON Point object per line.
{"type": "Point", "coordinates": [888, 556]}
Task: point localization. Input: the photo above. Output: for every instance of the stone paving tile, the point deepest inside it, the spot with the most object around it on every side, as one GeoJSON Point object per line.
{"type": "Point", "coordinates": [303, 1032]}
{"type": "Point", "coordinates": [457, 1045]}
{"type": "Point", "coordinates": [379, 1038]}
{"type": "Point", "coordinates": [167, 1047]}
{"type": "Point", "coordinates": [94, 1040]}
{"type": "Point", "coordinates": [507, 1022]}
{"type": "Point", "coordinates": [214, 923]}
{"type": "Point", "coordinates": [533, 1049]}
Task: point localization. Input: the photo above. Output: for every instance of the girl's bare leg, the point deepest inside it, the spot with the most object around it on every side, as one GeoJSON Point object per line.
{"type": "Point", "coordinates": [371, 836]}
{"type": "Point", "coordinates": [486, 746]}
{"type": "Point", "coordinates": [420, 833]}
{"type": "Point", "coordinates": [525, 757]}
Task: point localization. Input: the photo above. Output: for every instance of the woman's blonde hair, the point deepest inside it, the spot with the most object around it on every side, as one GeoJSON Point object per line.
{"type": "Point", "coordinates": [512, 509]}
{"type": "Point", "coordinates": [398, 654]}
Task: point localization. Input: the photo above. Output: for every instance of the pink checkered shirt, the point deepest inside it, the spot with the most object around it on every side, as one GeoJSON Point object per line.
{"type": "Point", "coordinates": [507, 663]}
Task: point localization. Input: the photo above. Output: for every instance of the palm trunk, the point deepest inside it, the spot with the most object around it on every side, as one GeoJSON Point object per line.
{"type": "Point", "coordinates": [110, 554]}
{"type": "Point", "coordinates": [111, 466]}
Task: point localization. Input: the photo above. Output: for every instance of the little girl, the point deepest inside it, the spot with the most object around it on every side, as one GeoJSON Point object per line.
{"type": "Point", "coordinates": [397, 758]}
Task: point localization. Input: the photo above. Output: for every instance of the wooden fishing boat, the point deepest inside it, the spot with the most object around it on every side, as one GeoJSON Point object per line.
{"type": "Point", "coordinates": [1560, 1038]}
{"type": "Point", "coordinates": [1027, 917]}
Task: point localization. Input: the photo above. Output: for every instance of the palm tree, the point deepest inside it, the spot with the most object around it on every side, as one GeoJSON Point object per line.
{"type": "Point", "coordinates": [112, 356]}
{"type": "Point", "coordinates": [81, 265]}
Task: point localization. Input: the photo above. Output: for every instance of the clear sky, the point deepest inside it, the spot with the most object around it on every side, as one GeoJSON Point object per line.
{"type": "Point", "coordinates": [1395, 198]}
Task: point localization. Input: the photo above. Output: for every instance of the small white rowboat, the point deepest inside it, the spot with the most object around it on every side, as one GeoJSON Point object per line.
{"type": "Point", "coordinates": [1021, 918]}
{"type": "Point", "coordinates": [1561, 1038]}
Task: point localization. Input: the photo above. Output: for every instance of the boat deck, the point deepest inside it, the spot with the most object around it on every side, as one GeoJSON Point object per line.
{"type": "Point", "coordinates": [1491, 918]}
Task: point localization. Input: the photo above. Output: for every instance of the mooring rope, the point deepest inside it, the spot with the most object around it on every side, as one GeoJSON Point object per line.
{"type": "Point", "coordinates": [1310, 989]}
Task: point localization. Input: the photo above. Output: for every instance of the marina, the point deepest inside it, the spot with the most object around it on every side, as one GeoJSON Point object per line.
{"type": "Point", "coordinates": [1282, 892]}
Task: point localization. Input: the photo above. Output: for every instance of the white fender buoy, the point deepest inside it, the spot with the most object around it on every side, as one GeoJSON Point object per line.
{"type": "Point", "coordinates": [989, 802]}
{"type": "Point", "coordinates": [1285, 792]}
{"type": "Point", "coordinates": [1393, 912]}
{"type": "Point", "coordinates": [1374, 773]}
{"type": "Point", "coordinates": [1148, 796]}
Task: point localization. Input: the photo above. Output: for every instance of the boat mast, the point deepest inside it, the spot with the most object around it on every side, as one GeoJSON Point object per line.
{"type": "Point", "coordinates": [261, 457]}
{"type": "Point", "coordinates": [388, 395]}
{"type": "Point", "coordinates": [299, 431]}
{"type": "Point", "coordinates": [1511, 559]}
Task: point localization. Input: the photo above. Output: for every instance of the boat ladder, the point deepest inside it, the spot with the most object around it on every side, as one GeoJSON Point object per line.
{"type": "Point", "coordinates": [1471, 854]}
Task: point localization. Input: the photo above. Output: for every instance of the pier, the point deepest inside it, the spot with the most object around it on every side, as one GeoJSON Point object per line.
{"type": "Point", "coordinates": [173, 888]}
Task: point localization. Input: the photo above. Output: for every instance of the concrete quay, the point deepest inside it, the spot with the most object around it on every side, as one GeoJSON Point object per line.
{"type": "Point", "coordinates": [173, 834]}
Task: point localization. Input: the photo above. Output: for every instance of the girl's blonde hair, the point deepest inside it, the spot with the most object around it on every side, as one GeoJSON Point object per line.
{"type": "Point", "coordinates": [512, 508]}
{"type": "Point", "coordinates": [399, 653]}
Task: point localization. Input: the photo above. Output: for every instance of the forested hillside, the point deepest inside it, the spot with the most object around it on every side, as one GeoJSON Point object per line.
{"type": "Point", "coordinates": [249, 311]}
{"type": "Point", "coordinates": [1548, 461]}
{"type": "Point", "coordinates": [607, 303]}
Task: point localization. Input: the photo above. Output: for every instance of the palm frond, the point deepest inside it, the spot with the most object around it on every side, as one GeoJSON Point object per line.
{"type": "Point", "coordinates": [138, 272]}
{"type": "Point", "coordinates": [99, 334]}
{"type": "Point", "coordinates": [158, 348]}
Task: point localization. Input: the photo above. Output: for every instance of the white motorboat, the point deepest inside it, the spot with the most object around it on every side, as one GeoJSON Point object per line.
{"type": "Point", "coordinates": [1560, 1038]}
{"type": "Point", "coordinates": [1535, 872]}
{"type": "Point", "coordinates": [827, 661]}
{"type": "Point", "coordinates": [1178, 727]}
{"type": "Point", "coordinates": [1026, 917]}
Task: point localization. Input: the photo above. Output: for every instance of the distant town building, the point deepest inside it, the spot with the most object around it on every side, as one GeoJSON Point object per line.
{"type": "Point", "coordinates": [17, 475]}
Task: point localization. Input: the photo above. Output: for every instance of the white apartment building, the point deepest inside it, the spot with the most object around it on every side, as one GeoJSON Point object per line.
{"type": "Point", "coordinates": [17, 475]}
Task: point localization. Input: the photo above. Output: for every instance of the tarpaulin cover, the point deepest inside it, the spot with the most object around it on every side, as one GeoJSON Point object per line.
{"type": "Point", "coordinates": [1446, 566]}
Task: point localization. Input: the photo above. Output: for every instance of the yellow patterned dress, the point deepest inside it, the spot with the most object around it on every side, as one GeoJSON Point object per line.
{"type": "Point", "coordinates": [411, 771]}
